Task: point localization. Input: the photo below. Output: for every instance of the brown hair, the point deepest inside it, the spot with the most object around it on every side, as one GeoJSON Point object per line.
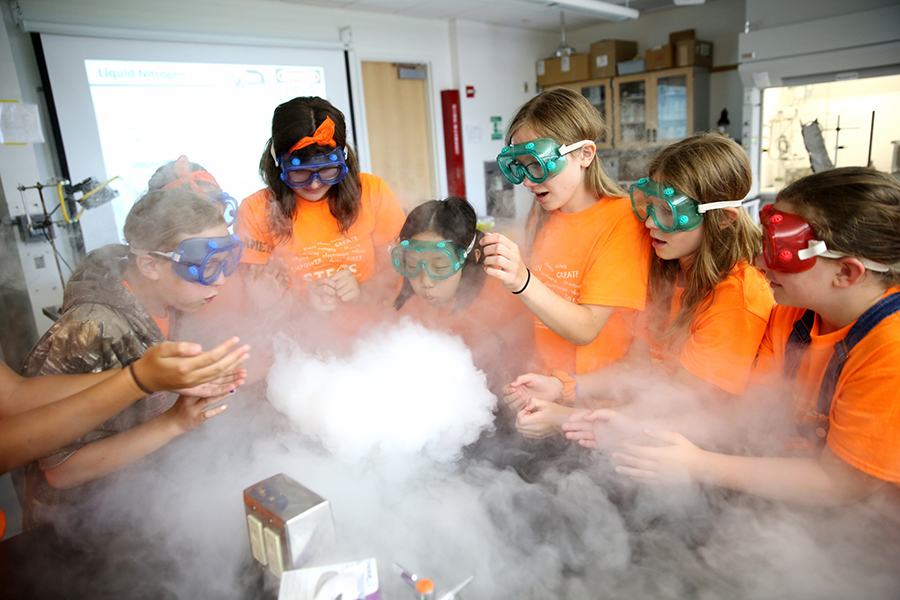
{"type": "Point", "coordinates": [291, 122]}
{"type": "Point", "coordinates": [707, 168]}
{"type": "Point", "coordinates": [567, 117]}
{"type": "Point", "coordinates": [162, 218]}
{"type": "Point", "coordinates": [855, 211]}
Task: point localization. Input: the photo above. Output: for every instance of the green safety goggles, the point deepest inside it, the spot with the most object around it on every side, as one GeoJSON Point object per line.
{"type": "Point", "coordinates": [538, 160]}
{"type": "Point", "coordinates": [441, 260]}
{"type": "Point", "coordinates": [671, 210]}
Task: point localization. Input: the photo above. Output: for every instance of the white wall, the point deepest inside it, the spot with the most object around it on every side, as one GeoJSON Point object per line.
{"type": "Point", "coordinates": [499, 63]}
{"type": "Point", "coordinates": [717, 21]}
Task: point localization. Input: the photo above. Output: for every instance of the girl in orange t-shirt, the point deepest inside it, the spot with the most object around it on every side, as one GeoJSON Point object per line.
{"type": "Point", "coordinates": [327, 221]}
{"type": "Point", "coordinates": [585, 273]}
{"type": "Point", "coordinates": [445, 287]}
{"type": "Point", "coordinates": [831, 244]}
{"type": "Point", "coordinates": [708, 306]}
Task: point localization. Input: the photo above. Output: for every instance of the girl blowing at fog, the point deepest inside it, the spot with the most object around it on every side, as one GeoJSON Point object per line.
{"type": "Point", "coordinates": [119, 302]}
{"type": "Point", "coordinates": [587, 260]}
{"type": "Point", "coordinates": [445, 287]}
{"type": "Point", "coordinates": [708, 305]}
{"type": "Point", "coordinates": [831, 247]}
{"type": "Point", "coordinates": [327, 220]}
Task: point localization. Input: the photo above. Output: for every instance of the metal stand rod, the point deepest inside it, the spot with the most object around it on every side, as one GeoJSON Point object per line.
{"type": "Point", "coordinates": [62, 278]}
{"type": "Point", "coordinates": [871, 135]}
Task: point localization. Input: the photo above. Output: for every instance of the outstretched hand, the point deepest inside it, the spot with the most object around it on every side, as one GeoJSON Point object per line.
{"type": "Point", "coordinates": [190, 412]}
{"type": "Point", "coordinates": [503, 260]}
{"type": "Point", "coordinates": [531, 385]}
{"type": "Point", "coordinates": [671, 464]}
{"type": "Point", "coordinates": [600, 428]}
{"type": "Point", "coordinates": [266, 284]}
{"type": "Point", "coordinates": [171, 366]}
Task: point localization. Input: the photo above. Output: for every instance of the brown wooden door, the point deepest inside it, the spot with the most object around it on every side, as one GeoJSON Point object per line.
{"type": "Point", "coordinates": [397, 124]}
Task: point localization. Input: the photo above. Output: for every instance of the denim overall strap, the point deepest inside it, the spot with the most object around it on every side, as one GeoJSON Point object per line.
{"type": "Point", "coordinates": [869, 319]}
{"type": "Point", "coordinates": [797, 343]}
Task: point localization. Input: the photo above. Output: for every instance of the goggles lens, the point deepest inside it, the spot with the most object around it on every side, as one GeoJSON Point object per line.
{"type": "Point", "coordinates": [441, 260]}
{"type": "Point", "coordinates": [299, 173]}
{"type": "Point", "coordinates": [202, 260]}
{"type": "Point", "coordinates": [538, 160]}
{"type": "Point", "coordinates": [671, 210]}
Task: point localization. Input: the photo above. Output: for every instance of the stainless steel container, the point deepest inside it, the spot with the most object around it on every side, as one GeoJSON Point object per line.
{"type": "Point", "coordinates": [288, 524]}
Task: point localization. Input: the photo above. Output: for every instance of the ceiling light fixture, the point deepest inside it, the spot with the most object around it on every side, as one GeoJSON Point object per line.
{"type": "Point", "coordinates": [597, 8]}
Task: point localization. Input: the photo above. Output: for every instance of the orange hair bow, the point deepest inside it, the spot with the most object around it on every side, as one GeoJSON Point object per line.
{"type": "Point", "coordinates": [324, 136]}
{"type": "Point", "coordinates": [186, 177]}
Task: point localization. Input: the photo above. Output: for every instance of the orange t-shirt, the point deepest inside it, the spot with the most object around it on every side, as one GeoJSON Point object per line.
{"type": "Point", "coordinates": [601, 256]}
{"type": "Point", "coordinates": [724, 338]}
{"type": "Point", "coordinates": [161, 322]}
{"type": "Point", "coordinates": [2, 524]}
{"type": "Point", "coordinates": [865, 413]}
{"type": "Point", "coordinates": [317, 248]}
{"type": "Point", "coordinates": [491, 312]}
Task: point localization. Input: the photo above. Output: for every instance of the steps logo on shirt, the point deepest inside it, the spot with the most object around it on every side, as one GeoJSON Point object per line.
{"type": "Point", "coordinates": [323, 259]}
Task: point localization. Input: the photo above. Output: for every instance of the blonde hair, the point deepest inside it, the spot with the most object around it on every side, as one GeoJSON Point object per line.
{"type": "Point", "coordinates": [708, 168]}
{"type": "Point", "coordinates": [855, 211]}
{"type": "Point", "coordinates": [162, 218]}
{"type": "Point", "coordinates": [567, 117]}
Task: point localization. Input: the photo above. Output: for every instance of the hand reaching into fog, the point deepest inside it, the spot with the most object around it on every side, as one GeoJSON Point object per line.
{"type": "Point", "coordinates": [540, 418]}
{"type": "Point", "coordinates": [673, 464]}
{"type": "Point", "coordinates": [265, 284]}
{"type": "Point", "coordinates": [190, 412]}
{"type": "Point", "coordinates": [503, 261]}
{"type": "Point", "coordinates": [531, 385]}
{"type": "Point", "coordinates": [322, 295]}
{"type": "Point", "coordinates": [600, 429]}
{"type": "Point", "coordinates": [346, 286]}
{"type": "Point", "coordinates": [171, 366]}
{"type": "Point", "coordinates": [223, 385]}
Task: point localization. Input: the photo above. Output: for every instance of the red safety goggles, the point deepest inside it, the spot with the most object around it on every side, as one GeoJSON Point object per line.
{"type": "Point", "coordinates": [789, 243]}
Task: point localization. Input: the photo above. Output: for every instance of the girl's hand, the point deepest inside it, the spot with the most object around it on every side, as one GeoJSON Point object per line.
{"type": "Point", "coordinates": [189, 412]}
{"type": "Point", "coordinates": [346, 286]}
{"type": "Point", "coordinates": [322, 295]}
{"type": "Point", "coordinates": [265, 284]}
{"type": "Point", "coordinates": [531, 385]}
{"type": "Point", "coordinates": [601, 428]}
{"type": "Point", "coordinates": [171, 366]}
{"type": "Point", "coordinates": [503, 261]}
{"type": "Point", "coordinates": [540, 418]}
{"type": "Point", "coordinates": [223, 385]}
{"type": "Point", "coordinates": [673, 464]}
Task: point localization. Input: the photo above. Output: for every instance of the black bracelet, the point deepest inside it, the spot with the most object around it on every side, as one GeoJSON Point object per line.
{"type": "Point", "coordinates": [137, 381]}
{"type": "Point", "coordinates": [527, 281]}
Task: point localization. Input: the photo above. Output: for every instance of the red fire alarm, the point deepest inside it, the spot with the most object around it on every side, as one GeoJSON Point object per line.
{"type": "Point", "coordinates": [470, 91]}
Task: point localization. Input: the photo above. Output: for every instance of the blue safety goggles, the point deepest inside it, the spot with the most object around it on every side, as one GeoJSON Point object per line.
{"type": "Point", "coordinates": [202, 260]}
{"type": "Point", "coordinates": [441, 260]}
{"type": "Point", "coordinates": [328, 168]}
{"type": "Point", "coordinates": [229, 211]}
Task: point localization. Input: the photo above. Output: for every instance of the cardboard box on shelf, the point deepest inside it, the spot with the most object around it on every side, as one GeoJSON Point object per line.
{"type": "Point", "coordinates": [677, 36]}
{"type": "Point", "coordinates": [628, 67]}
{"type": "Point", "coordinates": [660, 57]}
{"type": "Point", "coordinates": [606, 53]}
{"type": "Point", "coordinates": [563, 69]}
{"type": "Point", "coordinates": [690, 53]}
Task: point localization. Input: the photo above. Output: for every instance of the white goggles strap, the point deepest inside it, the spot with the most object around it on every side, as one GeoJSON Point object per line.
{"type": "Point", "coordinates": [818, 248]}
{"type": "Point", "coordinates": [563, 150]}
{"type": "Point", "coordinates": [702, 208]}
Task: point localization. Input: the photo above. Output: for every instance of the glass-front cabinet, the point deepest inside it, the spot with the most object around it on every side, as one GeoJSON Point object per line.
{"type": "Point", "coordinates": [598, 92]}
{"type": "Point", "coordinates": [659, 107]}
{"type": "Point", "coordinates": [654, 108]}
